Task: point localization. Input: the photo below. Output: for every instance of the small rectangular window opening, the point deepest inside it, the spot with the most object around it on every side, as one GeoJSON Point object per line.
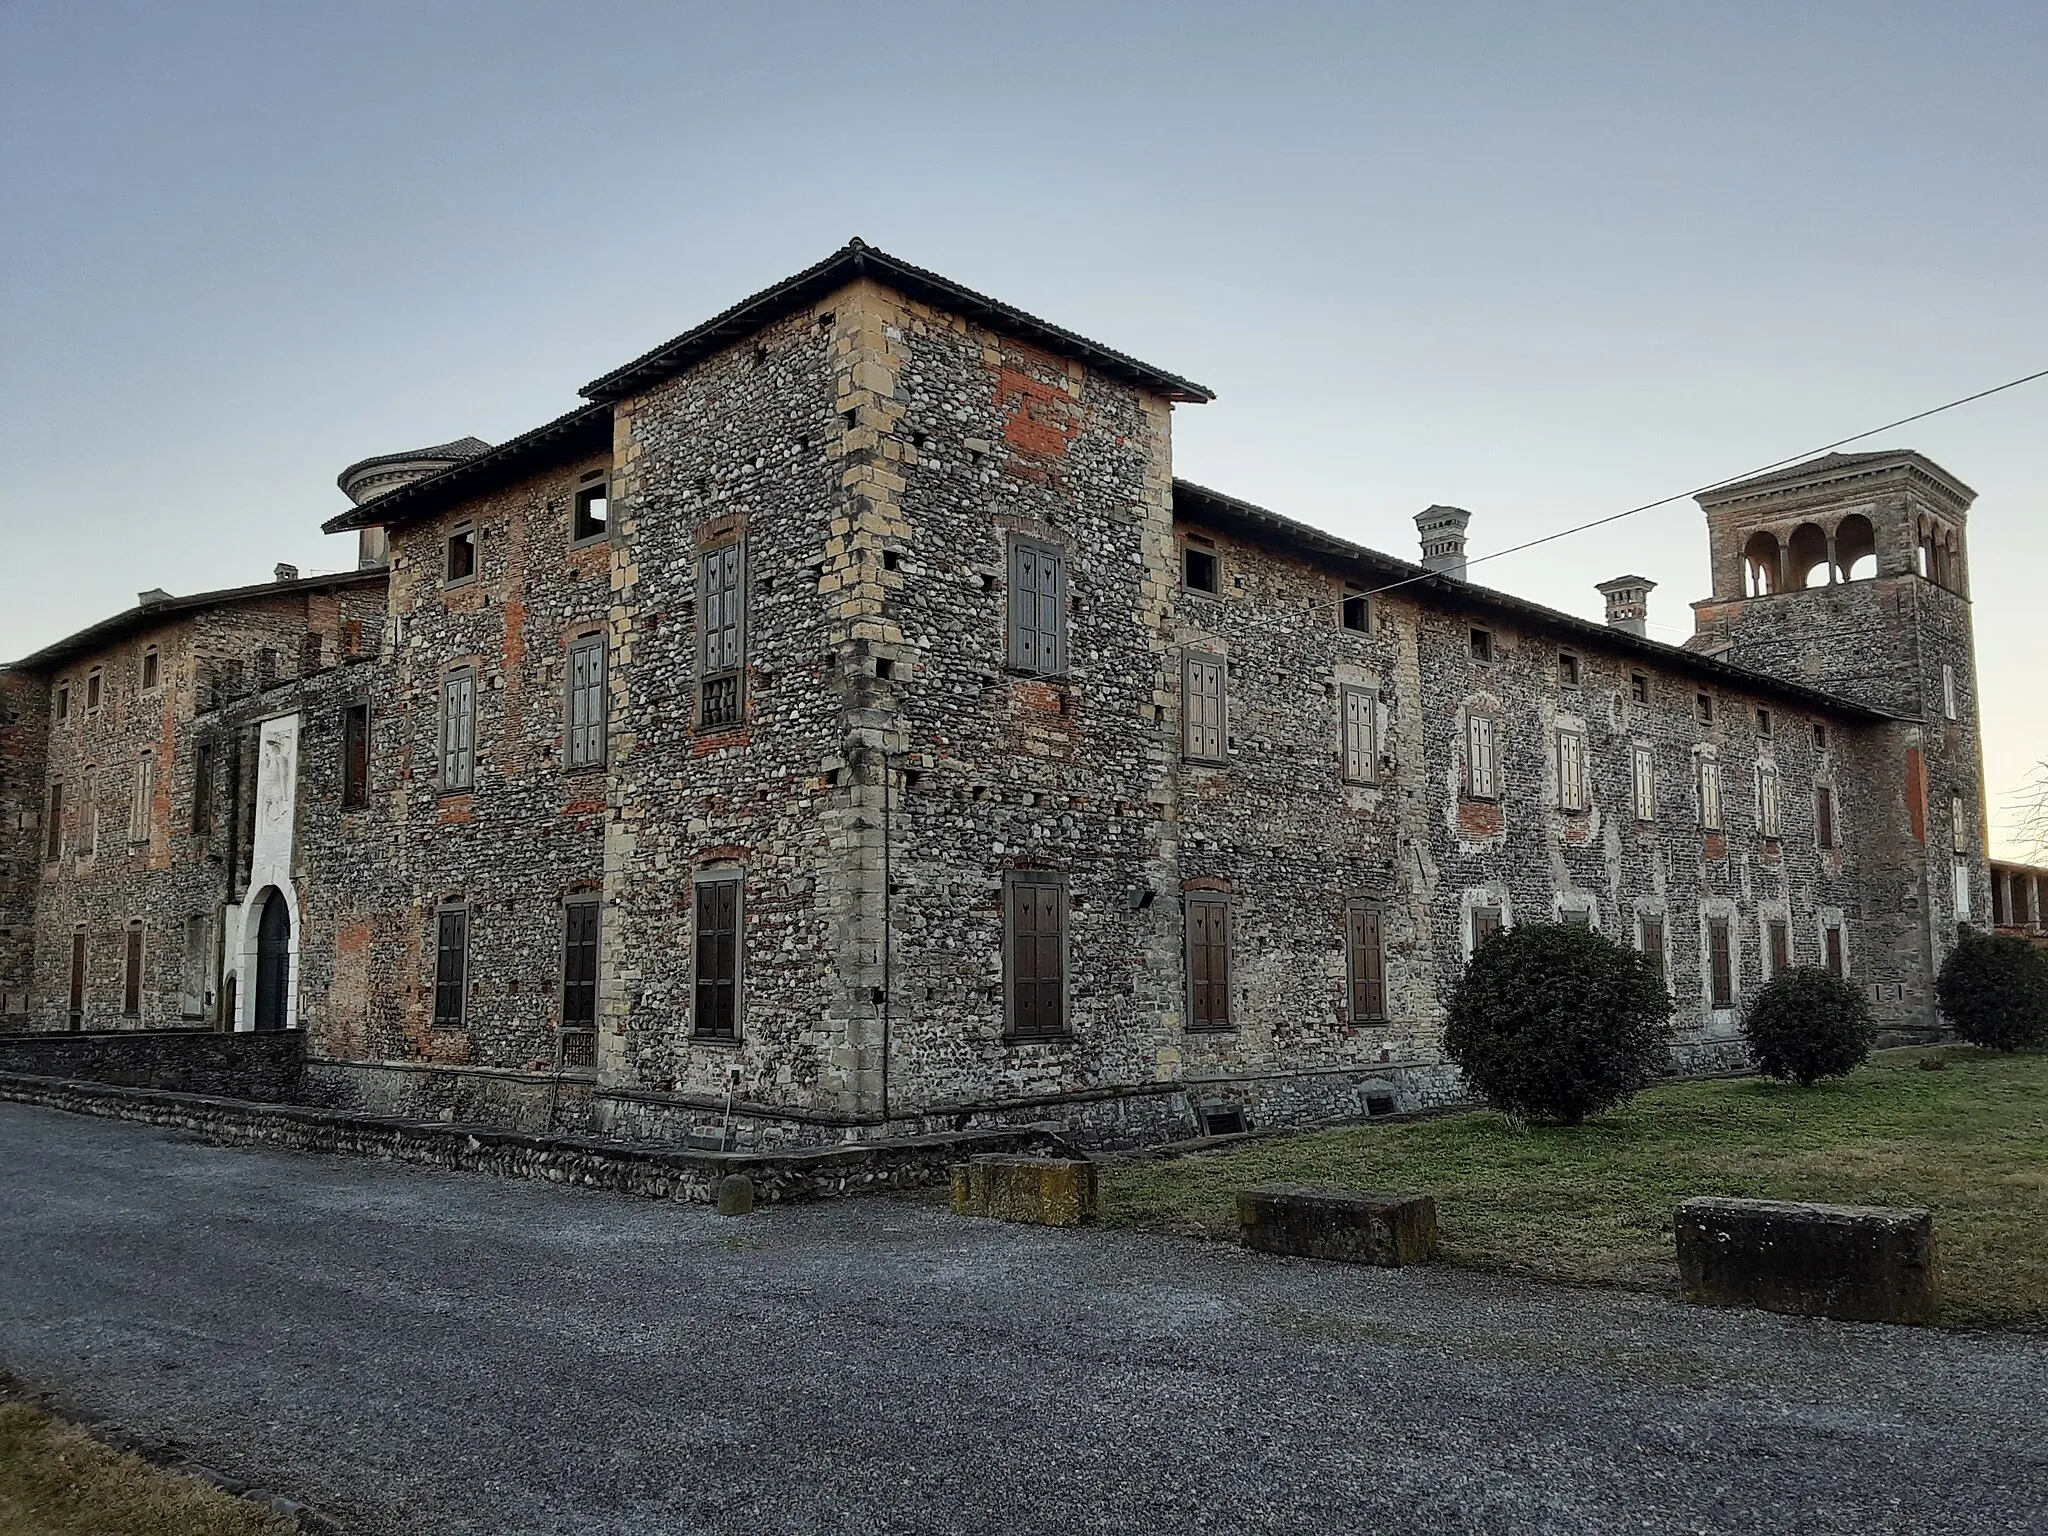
{"type": "Point", "coordinates": [1820, 736]}
{"type": "Point", "coordinates": [1639, 687]}
{"type": "Point", "coordinates": [1567, 669]}
{"type": "Point", "coordinates": [53, 830]}
{"type": "Point", "coordinates": [1703, 705]}
{"type": "Point", "coordinates": [92, 690]}
{"type": "Point", "coordinates": [1485, 924]}
{"type": "Point", "coordinates": [1763, 723]}
{"type": "Point", "coordinates": [355, 756]}
{"type": "Point", "coordinates": [592, 515]}
{"type": "Point", "coordinates": [1198, 570]}
{"type": "Point", "coordinates": [202, 789]}
{"type": "Point", "coordinates": [1355, 612]}
{"type": "Point", "coordinates": [1482, 645]}
{"type": "Point", "coordinates": [149, 669]}
{"type": "Point", "coordinates": [63, 702]}
{"type": "Point", "coordinates": [462, 553]}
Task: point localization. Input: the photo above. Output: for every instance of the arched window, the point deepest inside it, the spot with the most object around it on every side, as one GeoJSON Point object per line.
{"type": "Point", "coordinates": [1807, 558]}
{"type": "Point", "coordinates": [1855, 548]}
{"type": "Point", "coordinates": [1762, 568]}
{"type": "Point", "coordinates": [1952, 563]}
{"type": "Point", "coordinates": [1923, 551]}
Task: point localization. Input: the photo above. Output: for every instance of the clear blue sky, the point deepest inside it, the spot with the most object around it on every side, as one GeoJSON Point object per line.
{"type": "Point", "coordinates": [1542, 261]}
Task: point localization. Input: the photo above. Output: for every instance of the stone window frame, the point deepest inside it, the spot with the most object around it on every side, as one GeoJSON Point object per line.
{"type": "Point", "coordinates": [95, 690]}
{"type": "Point", "coordinates": [149, 670]}
{"type": "Point", "coordinates": [722, 876]}
{"type": "Point", "coordinates": [1661, 953]}
{"type": "Point", "coordinates": [1221, 901]}
{"type": "Point", "coordinates": [1774, 923]}
{"type": "Point", "coordinates": [716, 672]}
{"type": "Point", "coordinates": [1358, 946]}
{"type": "Point", "coordinates": [455, 536]}
{"type": "Point", "coordinates": [1827, 834]}
{"type": "Point", "coordinates": [596, 751]}
{"type": "Point", "coordinates": [1358, 764]}
{"type": "Point", "coordinates": [142, 796]}
{"type": "Point", "coordinates": [1191, 657]}
{"type": "Point", "coordinates": [462, 913]}
{"type": "Point", "coordinates": [1639, 687]}
{"type": "Point", "coordinates": [1353, 602]}
{"type": "Point", "coordinates": [591, 485]}
{"type": "Point", "coordinates": [1481, 646]}
{"type": "Point", "coordinates": [1820, 736]}
{"type": "Point", "coordinates": [1719, 916]}
{"type": "Point", "coordinates": [1769, 820]}
{"type": "Point", "coordinates": [1703, 709]}
{"type": "Point", "coordinates": [1024, 642]}
{"type": "Point", "coordinates": [462, 780]}
{"type": "Point", "coordinates": [1764, 723]}
{"type": "Point", "coordinates": [134, 947]}
{"type": "Point", "coordinates": [62, 712]}
{"type": "Point", "coordinates": [53, 826]}
{"type": "Point", "coordinates": [1194, 547]}
{"type": "Point", "coordinates": [1707, 792]}
{"type": "Point", "coordinates": [1482, 729]}
{"type": "Point", "coordinates": [1570, 670]}
{"type": "Point", "coordinates": [1643, 782]}
{"type": "Point", "coordinates": [1036, 879]}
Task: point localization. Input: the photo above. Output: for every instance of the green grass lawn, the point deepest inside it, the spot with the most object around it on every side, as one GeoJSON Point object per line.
{"type": "Point", "coordinates": [58, 1481]}
{"type": "Point", "coordinates": [1593, 1204]}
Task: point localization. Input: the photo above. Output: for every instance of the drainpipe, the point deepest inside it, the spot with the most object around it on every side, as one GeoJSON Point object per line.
{"type": "Point", "coordinates": [888, 942]}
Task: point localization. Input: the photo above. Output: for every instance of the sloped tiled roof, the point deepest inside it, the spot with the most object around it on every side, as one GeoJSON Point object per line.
{"type": "Point", "coordinates": [583, 430]}
{"type": "Point", "coordinates": [1830, 466]}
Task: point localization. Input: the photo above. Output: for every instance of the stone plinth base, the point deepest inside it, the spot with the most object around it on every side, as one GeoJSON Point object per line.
{"type": "Point", "coordinates": [1046, 1191]}
{"type": "Point", "coordinates": [1349, 1226]}
{"type": "Point", "coordinates": [1857, 1263]}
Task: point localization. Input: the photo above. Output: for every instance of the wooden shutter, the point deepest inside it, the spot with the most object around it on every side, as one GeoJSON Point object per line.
{"type": "Point", "coordinates": [1652, 930]}
{"type": "Point", "coordinates": [458, 730]}
{"type": "Point", "coordinates": [53, 840]}
{"type": "Point", "coordinates": [1038, 609]}
{"type": "Point", "coordinates": [1720, 963]}
{"type": "Point", "coordinates": [1645, 784]}
{"type": "Point", "coordinates": [721, 633]}
{"type": "Point", "coordinates": [1361, 761]}
{"type": "Point", "coordinates": [1767, 798]}
{"type": "Point", "coordinates": [451, 967]}
{"type": "Point", "coordinates": [1781, 946]}
{"type": "Point", "coordinates": [1480, 768]}
{"type": "Point", "coordinates": [1824, 816]}
{"type": "Point", "coordinates": [1208, 963]}
{"type": "Point", "coordinates": [77, 1006]}
{"type": "Point", "coordinates": [1368, 963]}
{"type": "Point", "coordinates": [586, 702]}
{"type": "Point", "coordinates": [1037, 959]}
{"type": "Point", "coordinates": [1710, 794]}
{"type": "Point", "coordinates": [355, 755]}
{"type": "Point", "coordinates": [1485, 924]}
{"type": "Point", "coordinates": [131, 975]}
{"type": "Point", "coordinates": [1571, 771]}
{"type": "Point", "coordinates": [1202, 703]}
{"type": "Point", "coordinates": [579, 965]}
{"type": "Point", "coordinates": [718, 959]}
{"type": "Point", "coordinates": [1834, 944]}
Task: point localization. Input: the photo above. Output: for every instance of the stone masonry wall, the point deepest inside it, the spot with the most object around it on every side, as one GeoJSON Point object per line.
{"type": "Point", "coordinates": [24, 741]}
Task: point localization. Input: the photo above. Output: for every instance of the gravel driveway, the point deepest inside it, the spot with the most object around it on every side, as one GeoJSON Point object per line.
{"type": "Point", "coordinates": [424, 1352]}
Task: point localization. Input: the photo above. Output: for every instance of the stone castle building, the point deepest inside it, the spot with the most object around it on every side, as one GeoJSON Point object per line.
{"type": "Point", "coordinates": [845, 723]}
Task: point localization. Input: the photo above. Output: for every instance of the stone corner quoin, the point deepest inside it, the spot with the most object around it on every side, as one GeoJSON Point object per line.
{"type": "Point", "coordinates": [845, 724]}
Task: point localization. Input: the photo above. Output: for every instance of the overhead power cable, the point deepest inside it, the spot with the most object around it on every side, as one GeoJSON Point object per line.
{"type": "Point", "coordinates": [1715, 485]}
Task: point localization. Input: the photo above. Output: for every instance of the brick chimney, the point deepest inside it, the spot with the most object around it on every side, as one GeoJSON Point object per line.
{"type": "Point", "coordinates": [1443, 539]}
{"type": "Point", "coordinates": [1628, 603]}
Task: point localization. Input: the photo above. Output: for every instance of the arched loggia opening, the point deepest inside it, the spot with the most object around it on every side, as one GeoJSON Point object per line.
{"type": "Point", "coordinates": [1806, 558]}
{"type": "Point", "coordinates": [1763, 570]}
{"type": "Point", "coordinates": [1855, 548]}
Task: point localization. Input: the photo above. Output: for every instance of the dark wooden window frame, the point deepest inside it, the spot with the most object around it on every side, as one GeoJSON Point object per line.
{"type": "Point", "coordinates": [134, 939]}
{"type": "Point", "coordinates": [1218, 904]}
{"type": "Point", "coordinates": [451, 921]}
{"type": "Point", "coordinates": [203, 759]}
{"type": "Point", "coordinates": [462, 535]}
{"type": "Point", "coordinates": [1833, 950]}
{"type": "Point", "coordinates": [1015, 978]}
{"type": "Point", "coordinates": [583, 742]}
{"type": "Point", "coordinates": [722, 653]}
{"type": "Point", "coordinates": [1365, 960]}
{"type": "Point", "coordinates": [151, 671]}
{"type": "Point", "coordinates": [1190, 554]}
{"type": "Point", "coordinates": [1824, 816]}
{"type": "Point", "coordinates": [1720, 961]}
{"type": "Point", "coordinates": [593, 487]}
{"type": "Point", "coordinates": [1483, 923]}
{"type": "Point", "coordinates": [462, 778]}
{"type": "Point", "coordinates": [582, 957]}
{"type": "Point", "coordinates": [53, 832]}
{"type": "Point", "coordinates": [726, 883]}
{"type": "Point", "coordinates": [1191, 658]}
{"type": "Point", "coordinates": [1474, 790]}
{"type": "Point", "coordinates": [1031, 647]}
{"type": "Point", "coordinates": [1778, 944]}
{"type": "Point", "coordinates": [1650, 924]}
{"type": "Point", "coordinates": [1367, 700]}
{"type": "Point", "coordinates": [75, 1002]}
{"type": "Point", "coordinates": [1574, 803]}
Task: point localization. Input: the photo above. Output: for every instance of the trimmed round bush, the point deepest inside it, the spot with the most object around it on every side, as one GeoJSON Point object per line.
{"type": "Point", "coordinates": [1993, 991]}
{"type": "Point", "coordinates": [1555, 1022]}
{"type": "Point", "coordinates": [1808, 1024]}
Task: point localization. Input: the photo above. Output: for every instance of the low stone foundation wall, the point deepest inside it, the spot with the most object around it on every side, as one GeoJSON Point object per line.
{"type": "Point", "coordinates": [265, 1067]}
{"type": "Point", "coordinates": [542, 1104]}
{"type": "Point", "coordinates": [653, 1172]}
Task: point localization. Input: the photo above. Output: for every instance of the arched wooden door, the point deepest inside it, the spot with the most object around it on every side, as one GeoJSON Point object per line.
{"type": "Point", "coordinates": [273, 961]}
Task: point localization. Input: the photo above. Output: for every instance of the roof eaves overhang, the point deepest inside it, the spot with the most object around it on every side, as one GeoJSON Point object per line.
{"type": "Point", "coordinates": [858, 259]}
{"type": "Point", "coordinates": [586, 429]}
{"type": "Point", "coordinates": [1796, 478]}
{"type": "Point", "coordinates": [1201, 504]}
{"type": "Point", "coordinates": [144, 615]}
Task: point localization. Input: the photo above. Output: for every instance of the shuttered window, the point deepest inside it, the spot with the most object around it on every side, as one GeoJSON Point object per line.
{"type": "Point", "coordinates": [1202, 699]}
{"type": "Point", "coordinates": [1366, 954]}
{"type": "Point", "coordinates": [458, 729]}
{"type": "Point", "coordinates": [1482, 767]}
{"type": "Point", "coordinates": [143, 798]}
{"type": "Point", "coordinates": [451, 966]}
{"type": "Point", "coordinates": [586, 702]}
{"type": "Point", "coordinates": [1038, 609]}
{"type": "Point", "coordinates": [1645, 786]}
{"type": "Point", "coordinates": [1824, 816]}
{"type": "Point", "coordinates": [1778, 933]}
{"type": "Point", "coordinates": [1361, 757]}
{"type": "Point", "coordinates": [131, 973]}
{"type": "Point", "coordinates": [1767, 799]}
{"type": "Point", "coordinates": [1571, 771]}
{"type": "Point", "coordinates": [1208, 962]}
{"type": "Point", "coordinates": [1650, 939]}
{"type": "Point", "coordinates": [1485, 924]}
{"type": "Point", "coordinates": [1834, 948]}
{"type": "Point", "coordinates": [77, 998]}
{"type": "Point", "coordinates": [717, 957]}
{"type": "Point", "coordinates": [722, 633]}
{"type": "Point", "coordinates": [355, 755]}
{"type": "Point", "coordinates": [1710, 794]}
{"type": "Point", "coordinates": [1035, 945]}
{"type": "Point", "coordinates": [53, 829]}
{"type": "Point", "coordinates": [1720, 963]}
{"type": "Point", "coordinates": [579, 965]}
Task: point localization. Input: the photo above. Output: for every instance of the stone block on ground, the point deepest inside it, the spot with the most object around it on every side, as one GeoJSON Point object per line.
{"type": "Point", "coordinates": [735, 1195]}
{"type": "Point", "coordinates": [1346, 1225]}
{"type": "Point", "coordinates": [1855, 1263]}
{"type": "Point", "coordinates": [1046, 1191]}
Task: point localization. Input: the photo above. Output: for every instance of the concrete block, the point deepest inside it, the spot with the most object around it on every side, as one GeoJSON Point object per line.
{"type": "Point", "coordinates": [1349, 1226]}
{"type": "Point", "coordinates": [1046, 1191]}
{"type": "Point", "coordinates": [1858, 1263]}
